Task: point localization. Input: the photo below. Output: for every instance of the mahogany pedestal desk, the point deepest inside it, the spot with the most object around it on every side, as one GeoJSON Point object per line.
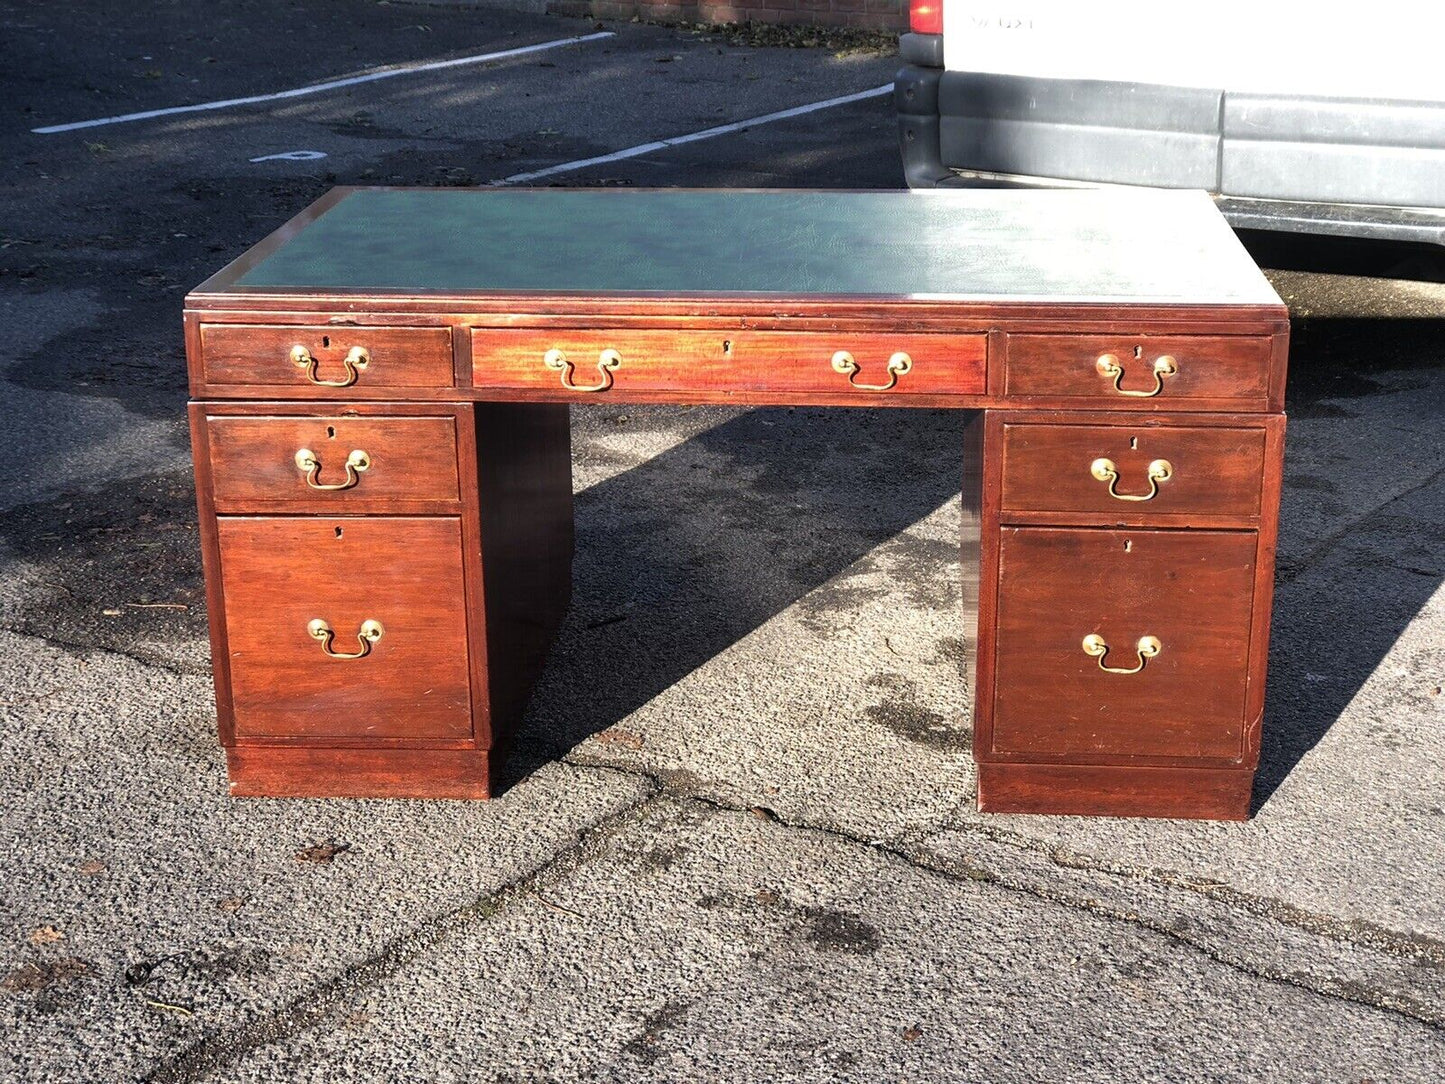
{"type": "Point", "coordinates": [380, 427]}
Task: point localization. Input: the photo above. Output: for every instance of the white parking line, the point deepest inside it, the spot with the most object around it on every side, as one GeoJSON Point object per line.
{"type": "Point", "coordinates": [693, 137]}
{"type": "Point", "coordinates": [318, 88]}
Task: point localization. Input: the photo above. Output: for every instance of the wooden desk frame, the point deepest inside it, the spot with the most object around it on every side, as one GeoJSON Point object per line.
{"type": "Point", "coordinates": [1220, 413]}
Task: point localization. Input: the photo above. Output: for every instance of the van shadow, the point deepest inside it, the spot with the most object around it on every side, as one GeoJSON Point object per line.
{"type": "Point", "coordinates": [1342, 600]}
{"type": "Point", "coordinates": [685, 554]}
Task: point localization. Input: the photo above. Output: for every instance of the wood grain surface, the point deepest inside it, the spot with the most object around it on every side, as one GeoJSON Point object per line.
{"type": "Point", "coordinates": [1190, 589]}
{"type": "Point", "coordinates": [1211, 370]}
{"type": "Point", "coordinates": [1214, 472]}
{"type": "Point", "coordinates": [279, 573]}
{"type": "Point", "coordinates": [253, 460]}
{"type": "Point", "coordinates": [687, 363]}
{"type": "Point", "coordinates": [255, 354]}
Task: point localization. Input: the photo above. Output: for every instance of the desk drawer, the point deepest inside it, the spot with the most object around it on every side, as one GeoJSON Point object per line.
{"type": "Point", "coordinates": [320, 361]}
{"type": "Point", "coordinates": [1120, 468]}
{"type": "Point", "coordinates": [351, 460]}
{"type": "Point", "coordinates": [845, 366]}
{"type": "Point", "coordinates": [408, 679]}
{"type": "Point", "coordinates": [1191, 591]}
{"type": "Point", "coordinates": [1151, 371]}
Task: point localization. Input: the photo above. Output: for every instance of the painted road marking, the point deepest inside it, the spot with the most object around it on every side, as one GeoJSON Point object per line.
{"type": "Point", "coordinates": [319, 88]}
{"type": "Point", "coordinates": [291, 156]}
{"type": "Point", "coordinates": [693, 137]}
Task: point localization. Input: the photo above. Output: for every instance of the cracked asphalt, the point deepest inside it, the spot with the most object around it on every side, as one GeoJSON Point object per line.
{"type": "Point", "coordinates": [737, 841]}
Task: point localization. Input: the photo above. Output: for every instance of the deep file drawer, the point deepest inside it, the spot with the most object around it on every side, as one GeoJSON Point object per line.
{"type": "Point", "coordinates": [1123, 643]}
{"type": "Point", "coordinates": [346, 627]}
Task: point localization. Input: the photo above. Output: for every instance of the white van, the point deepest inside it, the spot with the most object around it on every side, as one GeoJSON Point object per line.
{"type": "Point", "coordinates": [1309, 117]}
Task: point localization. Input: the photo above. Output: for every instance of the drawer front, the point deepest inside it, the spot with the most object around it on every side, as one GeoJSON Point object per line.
{"type": "Point", "coordinates": [320, 361]}
{"type": "Point", "coordinates": [869, 366]}
{"type": "Point", "coordinates": [1115, 469]}
{"type": "Point", "coordinates": [327, 462]}
{"type": "Point", "coordinates": [281, 575]}
{"type": "Point", "coordinates": [1190, 591]}
{"type": "Point", "coordinates": [1152, 371]}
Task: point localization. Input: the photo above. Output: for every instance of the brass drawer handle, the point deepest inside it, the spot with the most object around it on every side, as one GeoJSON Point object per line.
{"type": "Point", "coordinates": [1097, 647]}
{"type": "Point", "coordinates": [898, 365]}
{"type": "Point", "coordinates": [1108, 366]}
{"type": "Point", "coordinates": [607, 361]}
{"type": "Point", "coordinates": [357, 358]}
{"type": "Point", "coordinates": [1159, 470]}
{"type": "Point", "coordinates": [356, 462]}
{"type": "Point", "coordinates": [370, 632]}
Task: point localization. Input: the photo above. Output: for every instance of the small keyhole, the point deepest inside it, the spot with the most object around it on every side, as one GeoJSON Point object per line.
{"type": "Point", "coordinates": [1134, 443]}
{"type": "Point", "coordinates": [727, 346]}
{"type": "Point", "coordinates": [1138, 351]}
{"type": "Point", "coordinates": [331, 432]}
{"type": "Point", "coordinates": [1128, 543]}
{"type": "Point", "coordinates": [338, 532]}
{"type": "Point", "coordinates": [326, 341]}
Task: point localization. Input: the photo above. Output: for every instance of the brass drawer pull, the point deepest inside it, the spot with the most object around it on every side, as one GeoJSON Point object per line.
{"type": "Point", "coordinates": [607, 361]}
{"type": "Point", "coordinates": [356, 462]}
{"type": "Point", "coordinates": [1108, 366]}
{"type": "Point", "coordinates": [1159, 470]}
{"type": "Point", "coordinates": [1097, 647]}
{"type": "Point", "coordinates": [357, 358]}
{"type": "Point", "coordinates": [898, 365]}
{"type": "Point", "coordinates": [370, 632]}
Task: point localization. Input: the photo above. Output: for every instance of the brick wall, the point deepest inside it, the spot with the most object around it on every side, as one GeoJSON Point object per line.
{"type": "Point", "coordinates": [873, 14]}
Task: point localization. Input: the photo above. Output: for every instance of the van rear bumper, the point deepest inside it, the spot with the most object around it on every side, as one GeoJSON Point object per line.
{"type": "Point", "coordinates": [1312, 165]}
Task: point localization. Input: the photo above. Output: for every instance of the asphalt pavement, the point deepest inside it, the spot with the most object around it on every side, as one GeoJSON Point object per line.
{"type": "Point", "coordinates": [737, 840]}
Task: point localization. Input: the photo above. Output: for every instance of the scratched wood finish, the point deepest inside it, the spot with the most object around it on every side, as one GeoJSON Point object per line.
{"type": "Point", "coordinates": [253, 460]}
{"type": "Point", "coordinates": [1190, 589]}
{"type": "Point", "coordinates": [258, 355]}
{"type": "Point", "coordinates": [279, 573]}
{"type": "Point", "coordinates": [777, 363]}
{"type": "Point", "coordinates": [1212, 372]}
{"type": "Point", "coordinates": [1214, 472]}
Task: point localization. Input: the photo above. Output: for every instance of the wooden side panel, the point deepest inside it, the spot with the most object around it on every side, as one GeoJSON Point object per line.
{"type": "Point", "coordinates": [524, 484]}
{"type": "Point", "coordinates": [971, 540]}
{"type": "Point", "coordinates": [211, 568]}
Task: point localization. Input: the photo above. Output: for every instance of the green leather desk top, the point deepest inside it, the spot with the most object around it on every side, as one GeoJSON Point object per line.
{"type": "Point", "coordinates": [1061, 246]}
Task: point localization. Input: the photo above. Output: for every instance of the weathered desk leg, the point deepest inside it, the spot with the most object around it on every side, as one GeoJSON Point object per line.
{"type": "Point", "coordinates": [1126, 567]}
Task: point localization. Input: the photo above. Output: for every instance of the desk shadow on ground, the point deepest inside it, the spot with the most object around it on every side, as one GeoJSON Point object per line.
{"type": "Point", "coordinates": [686, 554]}
{"type": "Point", "coordinates": [1343, 600]}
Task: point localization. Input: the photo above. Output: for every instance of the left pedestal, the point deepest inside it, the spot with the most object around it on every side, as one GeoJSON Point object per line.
{"type": "Point", "coordinates": [384, 580]}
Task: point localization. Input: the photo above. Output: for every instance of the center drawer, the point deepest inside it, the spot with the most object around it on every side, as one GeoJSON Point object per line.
{"type": "Point", "coordinates": [1123, 642]}
{"type": "Point", "coordinates": [348, 628]}
{"type": "Point", "coordinates": [843, 366]}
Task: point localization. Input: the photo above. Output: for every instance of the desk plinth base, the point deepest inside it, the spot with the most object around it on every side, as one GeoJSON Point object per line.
{"type": "Point", "coordinates": [268, 771]}
{"type": "Point", "coordinates": [1097, 790]}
